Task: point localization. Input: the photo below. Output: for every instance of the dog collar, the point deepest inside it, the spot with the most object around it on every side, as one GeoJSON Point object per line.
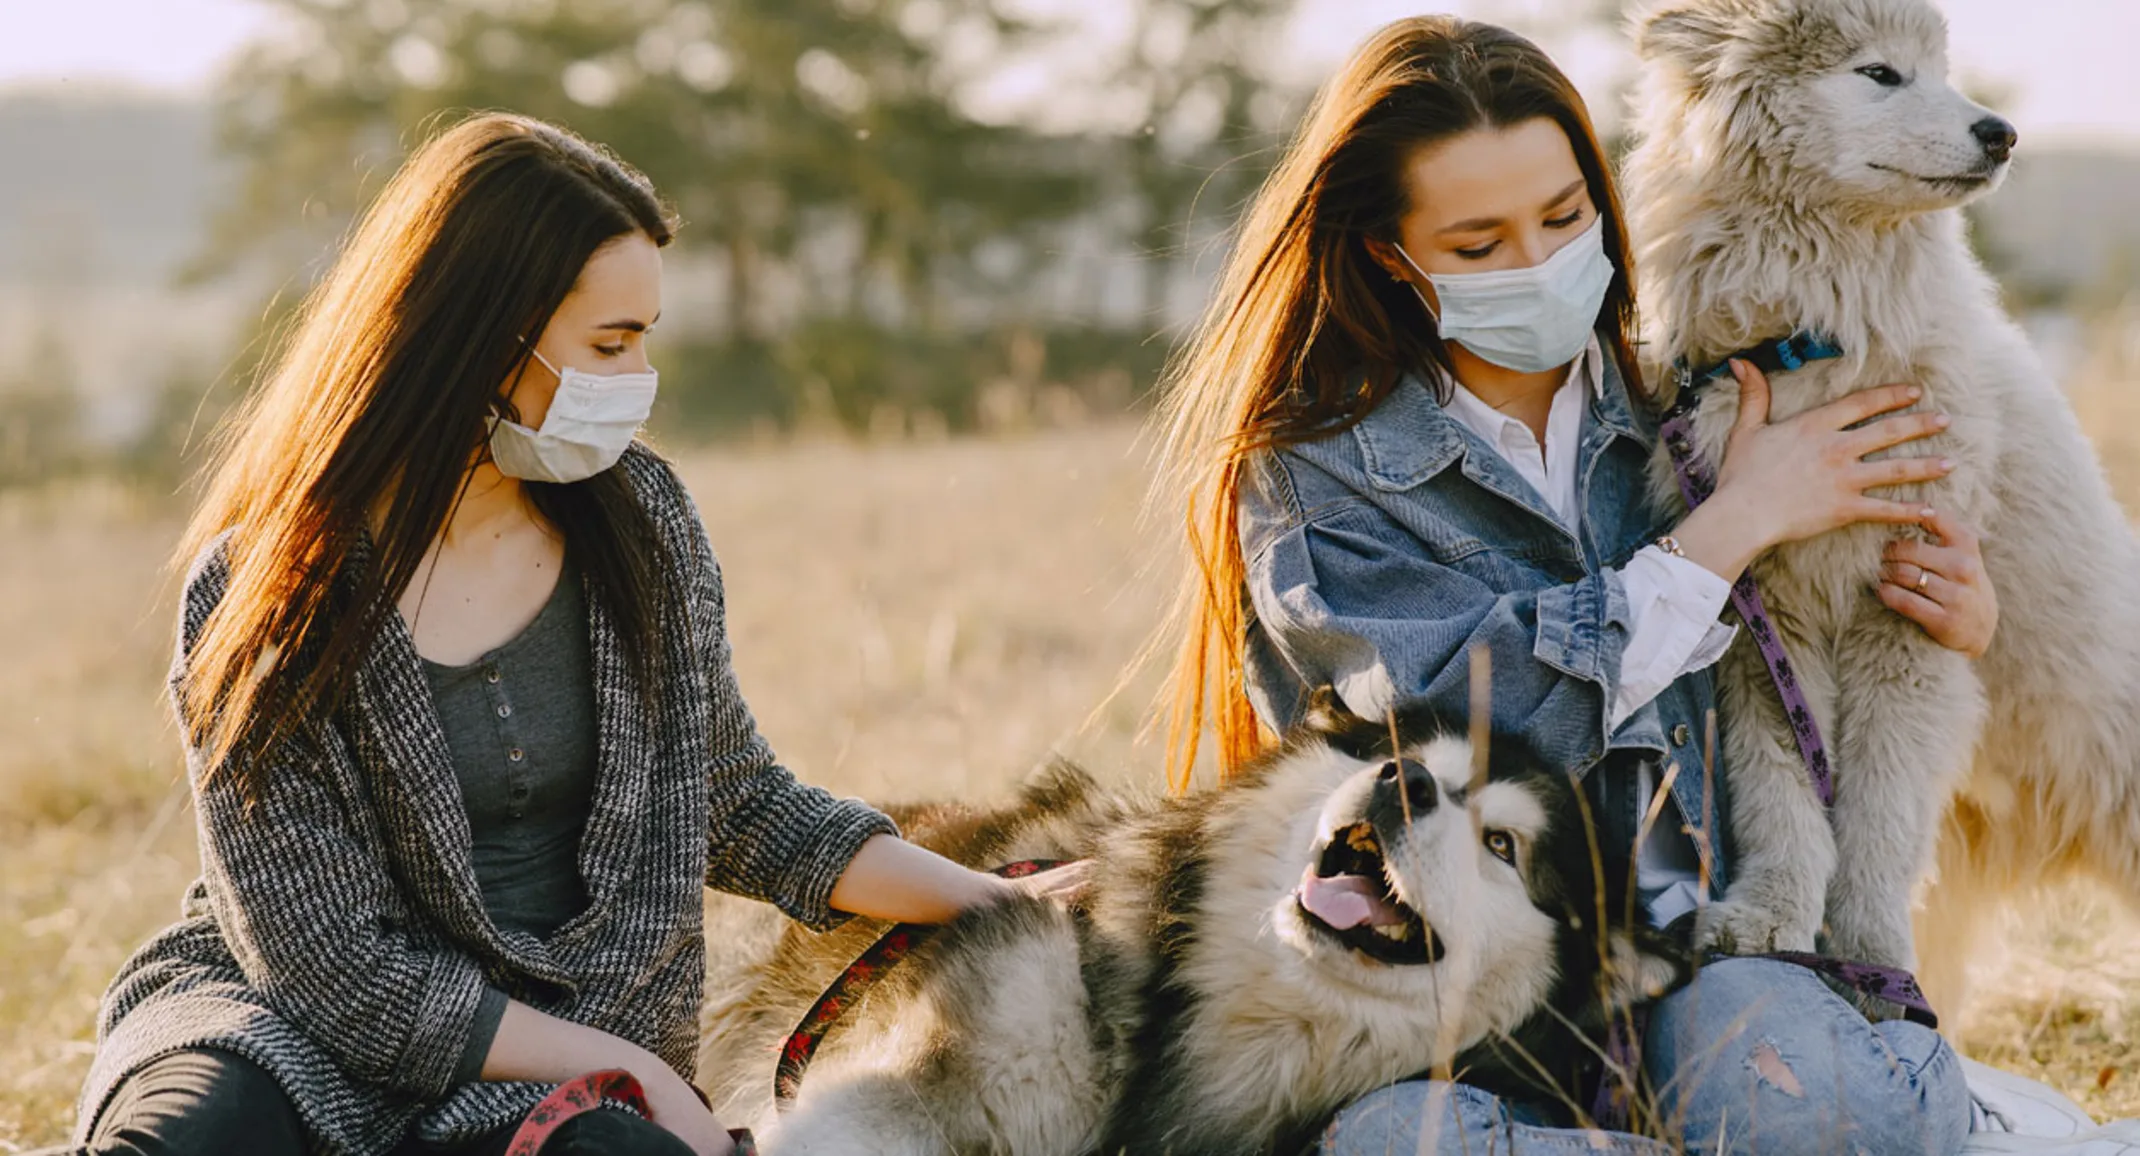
{"type": "Point", "coordinates": [1770, 357]}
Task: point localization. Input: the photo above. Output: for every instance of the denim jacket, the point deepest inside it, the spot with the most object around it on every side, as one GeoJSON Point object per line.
{"type": "Point", "coordinates": [1380, 555]}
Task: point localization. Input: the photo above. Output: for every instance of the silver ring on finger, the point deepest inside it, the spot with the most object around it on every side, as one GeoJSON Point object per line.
{"type": "Point", "coordinates": [1924, 579]}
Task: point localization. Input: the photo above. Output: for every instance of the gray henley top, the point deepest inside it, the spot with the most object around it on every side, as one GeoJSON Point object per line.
{"type": "Point", "coordinates": [520, 722]}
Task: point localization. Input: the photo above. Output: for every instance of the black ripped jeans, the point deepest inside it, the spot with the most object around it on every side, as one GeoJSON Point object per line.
{"type": "Point", "coordinates": [208, 1102]}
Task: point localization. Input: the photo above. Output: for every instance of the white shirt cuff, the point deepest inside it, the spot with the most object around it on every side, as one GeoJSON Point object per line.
{"type": "Point", "coordinates": [1673, 604]}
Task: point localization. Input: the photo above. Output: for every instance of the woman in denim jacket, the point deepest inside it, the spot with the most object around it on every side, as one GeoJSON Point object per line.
{"type": "Point", "coordinates": [1411, 429]}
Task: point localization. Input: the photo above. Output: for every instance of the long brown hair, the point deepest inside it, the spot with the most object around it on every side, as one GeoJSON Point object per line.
{"type": "Point", "coordinates": [379, 398]}
{"type": "Point", "coordinates": [1306, 334]}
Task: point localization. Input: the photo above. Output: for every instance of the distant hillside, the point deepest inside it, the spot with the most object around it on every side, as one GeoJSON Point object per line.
{"type": "Point", "coordinates": [110, 188]}
{"type": "Point", "coordinates": [102, 188]}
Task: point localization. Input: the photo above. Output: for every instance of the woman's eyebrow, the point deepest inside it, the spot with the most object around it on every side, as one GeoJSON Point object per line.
{"type": "Point", "coordinates": [1564, 194]}
{"type": "Point", "coordinates": [631, 325]}
{"type": "Point", "coordinates": [1478, 224]}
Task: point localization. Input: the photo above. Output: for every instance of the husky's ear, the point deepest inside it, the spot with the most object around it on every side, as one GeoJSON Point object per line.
{"type": "Point", "coordinates": [1645, 963]}
{"type": "Point", "coordinates": [1327, 713]}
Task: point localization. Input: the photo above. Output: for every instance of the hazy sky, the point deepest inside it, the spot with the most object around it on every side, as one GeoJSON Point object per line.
{"type": "Point", "coordinates": [2070, 62]}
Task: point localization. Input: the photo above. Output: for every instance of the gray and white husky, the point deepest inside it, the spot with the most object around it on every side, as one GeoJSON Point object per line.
{"type": "Point", "coordinates": [1244, 961]}
{"type": "Point", "coordinates": [1800, 166]}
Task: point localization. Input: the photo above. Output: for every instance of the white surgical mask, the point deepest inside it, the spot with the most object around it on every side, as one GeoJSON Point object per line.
{"type": "Point", "coordinates": [1529, 320]}
{"type": "Point", "coordinates": [591, 421]}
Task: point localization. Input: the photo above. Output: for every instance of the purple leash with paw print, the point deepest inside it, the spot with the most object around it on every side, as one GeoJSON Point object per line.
{"type": "Point", "coordinates": [1697, 481]}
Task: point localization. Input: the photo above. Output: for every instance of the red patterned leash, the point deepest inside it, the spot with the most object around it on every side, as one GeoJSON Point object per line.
{"type": "Point", "coordinates": [860, 976]}
{"type": "Point", "coordinates": [577, 1097]}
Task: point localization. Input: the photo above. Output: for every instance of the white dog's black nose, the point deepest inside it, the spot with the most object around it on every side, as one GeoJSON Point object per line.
{"type": "Point", "coordinates": [1996, 136]}
{"type": "Point", "coordinates": [1406, 787]}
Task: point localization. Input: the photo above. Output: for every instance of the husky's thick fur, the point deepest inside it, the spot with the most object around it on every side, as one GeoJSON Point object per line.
{"type": "Point", "coordinates": [1243, 962]}
{"type": "Point", "coordinates": [1800, 166]}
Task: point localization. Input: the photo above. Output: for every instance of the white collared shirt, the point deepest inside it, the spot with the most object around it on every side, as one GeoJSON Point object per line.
{"type": "Point", "coordinates": [1673, 603]}
{"type": "Point", "coordinates": [1551, 469]}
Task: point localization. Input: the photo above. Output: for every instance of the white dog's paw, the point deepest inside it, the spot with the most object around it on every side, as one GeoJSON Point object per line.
{"type": "Point", "coordinates": [1870, 922]}
{"type": "Point", "coordinates": [1870, 944]}
{"type": "Point", "coordinates": [1737, 927]}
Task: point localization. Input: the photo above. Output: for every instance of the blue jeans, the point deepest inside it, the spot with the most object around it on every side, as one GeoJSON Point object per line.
{"type": "Point", "coordinates": [1755, 1056]}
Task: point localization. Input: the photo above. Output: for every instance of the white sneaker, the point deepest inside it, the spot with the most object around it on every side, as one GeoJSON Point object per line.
{"type": "Point", "coordinates": [2019, 1106]}
{"type": "Point", "coordinates": [2118, 1138]}
{"type": "Point", "coordinates": [2016, 1114]}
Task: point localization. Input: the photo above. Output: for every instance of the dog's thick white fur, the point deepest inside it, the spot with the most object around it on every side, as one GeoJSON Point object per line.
{"type": "Point", "coordinates": [1783, 181]}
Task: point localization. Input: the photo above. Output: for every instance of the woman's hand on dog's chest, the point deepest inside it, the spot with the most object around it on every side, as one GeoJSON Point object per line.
{"type": "Point", "coordinates": [1942, 585]}
{"type": "Point", "coordinates": [1806, 475]}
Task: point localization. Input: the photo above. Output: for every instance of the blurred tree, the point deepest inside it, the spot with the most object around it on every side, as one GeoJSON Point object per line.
{"type": "Point", "coordinates": [1202, 124]}
{"type": "Point", "coordinates": [754, 116]}
{"type": "Point", "coordinates": [815, 148]}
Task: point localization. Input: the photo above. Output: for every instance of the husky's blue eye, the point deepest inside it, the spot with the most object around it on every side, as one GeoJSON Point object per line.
{"type": "Point", "coordinates": [1882, 75]}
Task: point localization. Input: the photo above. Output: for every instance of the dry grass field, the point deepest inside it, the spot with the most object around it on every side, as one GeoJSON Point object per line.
{"type": "Point", "coordinates": [909, 620]}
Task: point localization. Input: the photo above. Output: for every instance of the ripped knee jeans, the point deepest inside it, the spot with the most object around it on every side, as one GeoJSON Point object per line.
{"type": "Point", "coordinates": [1755, 1056]}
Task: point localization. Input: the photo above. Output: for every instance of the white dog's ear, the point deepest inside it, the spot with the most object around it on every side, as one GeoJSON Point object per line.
{"type": "Point", "coordinates": [1690, 35]}
{"type": "Point", "coordinates": [1643, 964]}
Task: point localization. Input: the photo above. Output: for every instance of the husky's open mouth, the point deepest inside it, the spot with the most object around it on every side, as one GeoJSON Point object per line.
{"type": "Point", "coordinates": [1346, 894]}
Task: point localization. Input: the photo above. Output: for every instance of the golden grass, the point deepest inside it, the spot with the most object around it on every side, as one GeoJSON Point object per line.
{"type": "Point", "coordinates": [909, 620]}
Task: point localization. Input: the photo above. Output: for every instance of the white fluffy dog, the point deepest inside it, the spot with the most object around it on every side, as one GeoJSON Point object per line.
{"type": "Point", "coordinates": [1800, 166]}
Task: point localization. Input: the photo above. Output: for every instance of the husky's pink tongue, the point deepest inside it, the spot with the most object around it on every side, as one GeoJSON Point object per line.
{"type": "Point", "coordinates": [1346, 901]}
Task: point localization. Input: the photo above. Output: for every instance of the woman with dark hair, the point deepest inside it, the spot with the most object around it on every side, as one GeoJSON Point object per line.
{"type": "Point", "coordinates": [462, 730]}
{"type": "Point", "coordinates": [1411, 429]}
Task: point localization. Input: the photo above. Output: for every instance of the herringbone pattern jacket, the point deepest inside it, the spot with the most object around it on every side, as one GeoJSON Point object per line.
{"type": "Point", "coordinates": [337, 936]}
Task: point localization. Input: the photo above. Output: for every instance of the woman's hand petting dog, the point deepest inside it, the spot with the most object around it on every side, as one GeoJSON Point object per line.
{"type": "Point", "coordinates": [1065, 884]}
{"type": "Point", "coordinates": [1942, 586]}
{"type": "Point", "coordinates": [1808, 474]}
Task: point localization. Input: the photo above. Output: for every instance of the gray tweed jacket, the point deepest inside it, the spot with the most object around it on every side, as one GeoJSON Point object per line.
{"type": "Point", "coordinates": [337, 936]}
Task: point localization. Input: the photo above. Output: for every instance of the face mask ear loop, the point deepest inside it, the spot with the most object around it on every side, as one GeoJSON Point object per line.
{"type": "Point", "coordinates": [497, 409]}
{"type": "Point", "coordinates": [1414, 287]}
{"type": "Point", "coordinates": [537, 355]}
